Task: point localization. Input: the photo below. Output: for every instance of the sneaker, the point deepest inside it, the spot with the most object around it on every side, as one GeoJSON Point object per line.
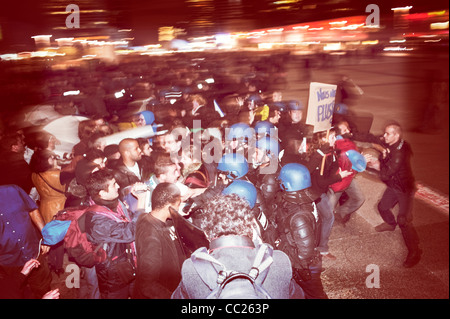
{"type": "Point", "coordinates": [412, 259]}
{"type": "Point", "coordinates": [385, 227]}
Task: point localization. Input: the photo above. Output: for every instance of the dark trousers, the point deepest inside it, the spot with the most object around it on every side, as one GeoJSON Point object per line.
{"type": "Point", "coordinates": [310, 281]}
{"type": "Point", "coordinates": [392, 197]}
{"type": "Point", "coordinates": [56, 256]}
{"type": "Point", "coordinates": [122, 293]}
{"type": "Point", "coordinates": [14, 285]}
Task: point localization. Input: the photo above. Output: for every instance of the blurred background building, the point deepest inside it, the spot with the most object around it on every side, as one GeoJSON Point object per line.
{"type": "Point", "coordinates": [141, 22]}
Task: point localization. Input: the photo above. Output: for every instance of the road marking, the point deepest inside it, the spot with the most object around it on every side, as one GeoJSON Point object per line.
{"type": "Point", "coordinates": [433, 197]}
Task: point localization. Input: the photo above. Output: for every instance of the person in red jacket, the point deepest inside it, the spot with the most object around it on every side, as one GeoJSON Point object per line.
{"type": "Point", "coordinates": [347, 185]}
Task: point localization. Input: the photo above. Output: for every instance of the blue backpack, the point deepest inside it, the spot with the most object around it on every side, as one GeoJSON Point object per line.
{"type": "Point", "coordinates": [55, 231]}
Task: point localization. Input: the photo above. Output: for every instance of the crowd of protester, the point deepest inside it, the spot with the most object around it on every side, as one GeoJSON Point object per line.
{"type": "Point", "coordinates": [224, 150]}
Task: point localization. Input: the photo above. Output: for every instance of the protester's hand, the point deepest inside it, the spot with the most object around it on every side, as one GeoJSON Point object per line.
{"type": "Point", "coordinates": [139, 189]}
{"type": "Point", "coordinates": [45, 249]}
{"type": "Point", "coordinates": [368, 157]}
{"type": "Point", "coordinates": [386, 151]}
{"type": "Point", "coordinates": [344, 173]}
{"type": "Point", "coordinates": [29, 266]}
{"type": "Point", "coordinates": [372, 162]}
{"type": "Point", "coordinates": [240, 101]}
{"type": "Point", "coordinates": [52, 294]}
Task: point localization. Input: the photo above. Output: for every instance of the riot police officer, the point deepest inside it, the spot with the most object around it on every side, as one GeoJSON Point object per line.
{"type": "Point", "coordinates": [298, 227]}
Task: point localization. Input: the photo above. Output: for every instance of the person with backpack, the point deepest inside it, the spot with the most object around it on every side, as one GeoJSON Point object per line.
{"type": "Point", "coordinates": [232, 266]}
{"type": "Point", "coordinates": [113, 228]}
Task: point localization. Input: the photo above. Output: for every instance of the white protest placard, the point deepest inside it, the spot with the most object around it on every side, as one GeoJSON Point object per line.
{"type": "Point", "coordinates": [321, 105]}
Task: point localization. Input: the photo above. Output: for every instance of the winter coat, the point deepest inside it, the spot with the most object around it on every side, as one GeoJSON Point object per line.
{"type": "Point", "coordinates": [158, 263]}
{"type": "Point", "coordinates": [395, 169]}
{"type": "Point", "coordinates": [51, 193]}
{"type": "Point", "coordinates": [116, 233]}
{"type": "Point", "coordinates": [235, 256]}
{"type": "Point", "coordinates": [124, 177]}
{"type": "Point", "coordinates": [342, 146]}
{"type": "Point", "coordinates": [321, 183]}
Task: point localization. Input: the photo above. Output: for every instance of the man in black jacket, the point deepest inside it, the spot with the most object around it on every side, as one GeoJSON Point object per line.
{"type": "Point", "coordinates": [158, 263]}
{"type": "Point", "coordinates": [396, 173]}
{"type": "Point", "coordinates": [130, 169]}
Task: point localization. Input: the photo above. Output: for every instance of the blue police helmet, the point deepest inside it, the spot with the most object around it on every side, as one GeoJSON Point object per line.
{"type": "Point", "coordinates": [269, 145]}
{"type": "Point", "coordinates": [279, 105]}
{"type": "Point", "coordinates": [234, 165]}
{"type": "Point", "coordinates": [294, 105]}
{"type": "Point", "coordinates": [359, 163]}
{"type": "Point", "coordinates": [263, 127]}
{"type": "Point", "coordinates": [294, 177]}
{"type": "Point", "coordinates": [255, 98]}
{"type": "Point", "coordinates": [340, 108]}
{"type": "Point", "coordinates": [163, 92]}
{"type": "Point", "coordinates": [239, 131]}
{"type": "Point", "coordinates": [243, 189]}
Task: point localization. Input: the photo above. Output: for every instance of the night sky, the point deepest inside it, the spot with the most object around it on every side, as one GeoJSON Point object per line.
{"type": "Point", "coordinates": [21, 19]}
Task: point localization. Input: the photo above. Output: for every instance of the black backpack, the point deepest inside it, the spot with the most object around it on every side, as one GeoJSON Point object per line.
{"type": "Point", "coordinates": [230, 284]}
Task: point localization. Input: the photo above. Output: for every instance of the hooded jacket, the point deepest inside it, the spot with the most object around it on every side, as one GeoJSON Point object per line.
{"type": "Point", "coordinates": [343, 145]}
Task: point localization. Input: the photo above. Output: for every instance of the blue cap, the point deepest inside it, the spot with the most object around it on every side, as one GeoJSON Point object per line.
{"type": "Point", "coordinates": [148, 116]}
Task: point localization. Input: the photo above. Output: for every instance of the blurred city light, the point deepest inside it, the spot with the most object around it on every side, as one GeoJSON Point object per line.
{"type": "Point", "coordinates": [402, 8]}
